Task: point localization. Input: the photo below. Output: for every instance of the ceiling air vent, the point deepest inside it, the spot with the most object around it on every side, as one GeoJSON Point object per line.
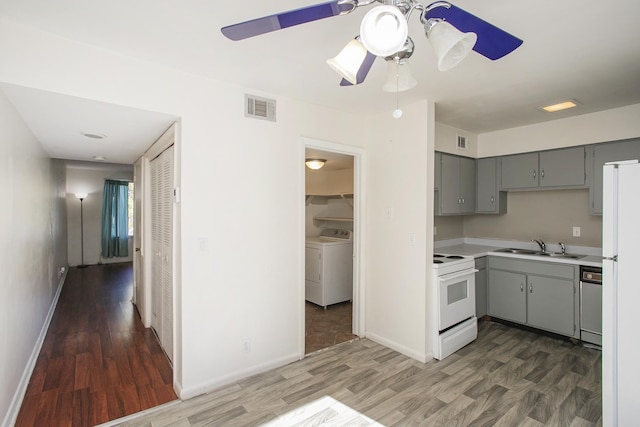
{"type": "Point", "coordinates": [462, 142]}
{"type": "Point", "coordinates": [260, 108]}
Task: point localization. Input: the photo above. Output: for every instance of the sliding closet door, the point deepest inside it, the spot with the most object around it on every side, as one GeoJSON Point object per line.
{"type": "Point", "coordinates": [162, 248]}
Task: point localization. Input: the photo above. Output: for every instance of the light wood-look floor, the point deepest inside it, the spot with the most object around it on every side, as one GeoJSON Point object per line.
{"type": "Point", "coordinates": [508, 377]}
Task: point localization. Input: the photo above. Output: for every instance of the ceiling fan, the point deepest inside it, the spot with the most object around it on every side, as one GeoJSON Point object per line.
{"type": "Point", "coordinates": [453, 33]}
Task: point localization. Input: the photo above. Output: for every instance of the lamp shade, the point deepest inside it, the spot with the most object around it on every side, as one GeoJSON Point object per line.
{"type": "Point", "coordinates": [348, 61]}
{"type": "Point", "coordinates": [314, 164]}
{"type": "Point", "coordinates": [383, 30]}
{"type": "Point", "coordinates": [450, 44]}
{"type": "Point", "coordinates": [399, 77]}
{"type": "Point", "coordinates": [81, 196]}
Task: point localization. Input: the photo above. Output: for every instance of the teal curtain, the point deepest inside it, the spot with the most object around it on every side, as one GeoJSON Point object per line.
{"type": "Point", "coordinates": [115, 235]}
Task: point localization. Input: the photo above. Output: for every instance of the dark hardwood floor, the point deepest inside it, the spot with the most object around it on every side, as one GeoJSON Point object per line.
{"type": "Point", "coordinates": [98, 362]}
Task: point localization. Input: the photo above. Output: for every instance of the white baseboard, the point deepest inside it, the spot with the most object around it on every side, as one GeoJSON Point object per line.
{"type": "Point", "coordinates": [420, 357]}
{"type": "Point", "coordinates": [18, 397]}
{"type": "Point", "coordinates": [189, 392]}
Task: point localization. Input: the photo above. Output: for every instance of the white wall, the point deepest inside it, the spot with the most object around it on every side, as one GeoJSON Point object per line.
{"type": "Point", "coordinates": [241, 188]}
{"type": "Point", "coordinates": [89, 178]}
{"type": "Point", "coordinates": [399, 196]}
{"type": "Point", "coordinates": [447, 141]}
{"type": "Point", "coordinates": [610, 125]}
{"type": "Point", "coordinates": [32, 251]}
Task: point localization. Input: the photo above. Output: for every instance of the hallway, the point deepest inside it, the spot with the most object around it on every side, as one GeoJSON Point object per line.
{"type": "Point", "coordinates": [98, 362]}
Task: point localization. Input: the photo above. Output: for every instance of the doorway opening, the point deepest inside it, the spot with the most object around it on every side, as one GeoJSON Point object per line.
{"type": "Point", "coordinates": [332, 303]}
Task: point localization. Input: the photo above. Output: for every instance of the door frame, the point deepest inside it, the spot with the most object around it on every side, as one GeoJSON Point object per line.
{"type": "Point", "coordinates": [359, 160]}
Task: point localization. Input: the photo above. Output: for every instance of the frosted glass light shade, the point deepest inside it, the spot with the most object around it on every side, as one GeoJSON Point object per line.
{"type": "Point", "coordinates": [399, 77]}
{"type": "Point", "coordinates": [450, 44]}
{"type": "Point", "coordinates": [384, 30]}
{"type": "Point", "coordinates": [81, 196]}
{"type": "Point", "coordinates": [314, 164]}
{"type": "Point", "coordinates": [349, 60]}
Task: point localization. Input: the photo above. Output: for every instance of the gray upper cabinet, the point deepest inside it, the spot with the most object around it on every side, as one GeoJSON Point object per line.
{"type": "Point", "coordinates": [562, 168]}
{"type": "Point", "coordinates": [489, 200]}
{"type": "Point", "coordinates": [519, 171]}
{"type": "Point", "coordinates": [547, 169]}
{"type": "Point", "coordinates": [455, 185]}
{"type": "Point", "coordinates": [604, 153]}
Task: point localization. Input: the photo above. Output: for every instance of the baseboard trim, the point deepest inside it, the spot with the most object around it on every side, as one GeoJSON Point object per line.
{"type": "Point", "coordinates": [18, 397]}
{"type": "Point", "coordinates": [420, 357]}
{"type": "Point", "coordinates": [209, 386]}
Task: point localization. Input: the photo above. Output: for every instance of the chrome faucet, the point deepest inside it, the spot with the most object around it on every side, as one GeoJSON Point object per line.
{"type": "Point", "coordinates": [562, 247]}
{"type": "Point", "coordinates": [541, 244]}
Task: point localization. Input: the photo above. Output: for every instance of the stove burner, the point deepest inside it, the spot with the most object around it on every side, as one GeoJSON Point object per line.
{"type": "Point", "coordinates": [438, 256]}
{"type": "Point", "coordinates": [437, 261]}
{"type": "Point", "coordinates": [455, 257]}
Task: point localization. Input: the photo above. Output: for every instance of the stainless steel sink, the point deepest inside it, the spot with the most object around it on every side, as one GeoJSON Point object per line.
{"type": "Point", "coordinates": [519, 251]}
{"type": "Point", "coordinates": [538, 253]}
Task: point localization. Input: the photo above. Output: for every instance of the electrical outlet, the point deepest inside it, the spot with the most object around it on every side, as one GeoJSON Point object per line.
{"type": "Point", "coordinates": [246, 346]}
{"type": "Point", "coordinates": [576, 231]}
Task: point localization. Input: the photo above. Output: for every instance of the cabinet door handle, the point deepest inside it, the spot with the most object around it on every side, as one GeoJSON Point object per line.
{"type": "Point", "coordinates": [462, 200]}
{"type": "Point", "coordinates": [492, 199]}
{"type": "Point", "coordinates": [521, 287]}
{"type": "Point", "coordinates": [531, 287]}
{"type": "Point", "coordinates": [542, 173]}
{"type": "Point", "coordinates": [534, 174]}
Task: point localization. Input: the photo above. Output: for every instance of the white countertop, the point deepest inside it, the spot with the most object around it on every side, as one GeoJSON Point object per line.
{"type": "Point", "coordinates": [480, 250]}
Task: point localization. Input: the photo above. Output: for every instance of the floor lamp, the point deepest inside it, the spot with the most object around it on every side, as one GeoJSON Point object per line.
{"type": "Point", "coordinates": [81, 196]}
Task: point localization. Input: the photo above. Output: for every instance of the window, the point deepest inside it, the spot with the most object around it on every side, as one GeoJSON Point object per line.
{"type": "Point", "coordinates": [130, 209]}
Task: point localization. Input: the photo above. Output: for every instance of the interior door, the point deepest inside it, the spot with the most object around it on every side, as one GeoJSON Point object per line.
{"type": "Point", "coordinates": [162, 248]}
{"type": "Point", "coordinates": [138, 262]}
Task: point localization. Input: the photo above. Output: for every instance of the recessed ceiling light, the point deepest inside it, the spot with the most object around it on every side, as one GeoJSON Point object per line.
{"type": "Point", "coordinates": [560, 106]}
{"type": "Point", "coordinates": [99, 158]}
{"type": "Point", "coordinates": [94, 135]}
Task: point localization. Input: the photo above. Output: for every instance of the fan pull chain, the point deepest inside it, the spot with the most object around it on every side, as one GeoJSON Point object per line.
{"type": "Point", "coordinates": [397, 113]}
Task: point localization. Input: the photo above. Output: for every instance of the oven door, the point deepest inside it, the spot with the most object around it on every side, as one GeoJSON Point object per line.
{"type": "Point", "coordinates": [456, 298]}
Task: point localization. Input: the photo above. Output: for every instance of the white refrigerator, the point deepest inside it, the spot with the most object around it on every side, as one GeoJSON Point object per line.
{"type": "Point", "coordinates": [621, 294]}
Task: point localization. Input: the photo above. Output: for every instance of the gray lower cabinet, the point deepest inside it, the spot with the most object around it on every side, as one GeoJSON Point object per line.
{"type": "Point", "coordinates": [489, 200]}
{"type": "Point", "coordinates": [539, 294]}
{"type": "Point", "coordinates": [604, 153]}
{"type": "Point", "coordinates": [455, 184]}
{"type": "Point", "coordinates": [481, 286]}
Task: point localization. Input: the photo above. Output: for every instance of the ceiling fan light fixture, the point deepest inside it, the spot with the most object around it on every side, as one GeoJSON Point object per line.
{"type": "Point", "coordinates": [450, 44]}
{"type": "Point", "coordinates": [399, 77]}
{"type": "Point", "coordinates": [384, 30]}
{"type": "Point", "coordinates": [349, 60]}
{"type": "Point", "coordinates": [315, 164]}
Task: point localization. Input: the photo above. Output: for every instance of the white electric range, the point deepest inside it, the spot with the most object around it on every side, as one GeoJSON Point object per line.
{"type": "Point", "coordinates": [454, 304]}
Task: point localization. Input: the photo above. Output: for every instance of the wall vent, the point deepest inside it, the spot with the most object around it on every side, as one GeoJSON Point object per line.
{"type": "Point", "coordinates": [260, 108]}
{"type": "Point", "coordinates": [462, 142]}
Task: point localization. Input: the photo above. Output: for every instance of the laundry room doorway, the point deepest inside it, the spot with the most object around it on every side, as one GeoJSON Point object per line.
{"type": "Point", "coordinates": [332, 295]}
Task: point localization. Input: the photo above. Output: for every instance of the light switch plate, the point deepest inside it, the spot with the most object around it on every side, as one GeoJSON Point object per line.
{"type": "Point", "coordinates": [576, 231]}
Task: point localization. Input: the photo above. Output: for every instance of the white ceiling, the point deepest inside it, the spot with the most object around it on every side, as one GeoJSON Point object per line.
{"type": "Point", "coordinates": [587, 51]}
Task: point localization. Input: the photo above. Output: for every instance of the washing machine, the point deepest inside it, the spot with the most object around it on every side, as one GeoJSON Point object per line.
{"type": "Point", "coordinates": [329, 267]}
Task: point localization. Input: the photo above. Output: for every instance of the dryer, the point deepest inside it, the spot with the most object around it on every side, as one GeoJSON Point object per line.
{"type": "Point", "coordinates": [329, 267]}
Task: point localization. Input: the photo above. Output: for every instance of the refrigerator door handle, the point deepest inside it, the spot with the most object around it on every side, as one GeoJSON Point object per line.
{"type": "Point", "coordinates": [610, 258]}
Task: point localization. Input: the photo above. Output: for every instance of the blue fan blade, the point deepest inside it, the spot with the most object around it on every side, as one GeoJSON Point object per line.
{"type": "Point", "coordinates": [362, 71]}
{"type": "Point", "coordinates": [493, 42]}
{"type": "Point", "coordinates": [255, 27]}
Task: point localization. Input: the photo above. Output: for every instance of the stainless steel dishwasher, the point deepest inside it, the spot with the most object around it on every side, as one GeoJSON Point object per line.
{"type": "Point", "coordinates": [591, 305]}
